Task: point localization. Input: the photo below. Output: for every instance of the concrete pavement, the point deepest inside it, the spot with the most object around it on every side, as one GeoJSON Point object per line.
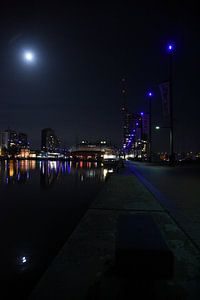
{"type": "Point", "coordinates": [84, 268]}
{"type": "Point", "coordinates": [177, 188]}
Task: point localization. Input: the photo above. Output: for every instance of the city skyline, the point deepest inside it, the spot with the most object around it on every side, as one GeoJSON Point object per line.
{"type": "Point", "coordinates": [74, 86]}
{"type": "Point", "coordinates": [137, 132]}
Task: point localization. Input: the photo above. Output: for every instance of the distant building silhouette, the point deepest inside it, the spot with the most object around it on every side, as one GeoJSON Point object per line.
{"type": "Point", "coordinates": [49, 140]}
{"type": "Point", "coordinates": [23, 140]}
{"type": "Point", "coordinates": [4, 137]}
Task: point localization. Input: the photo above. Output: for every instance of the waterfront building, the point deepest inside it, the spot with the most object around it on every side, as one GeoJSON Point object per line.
{"type": "Point", "coordinates": [11, 142]}
{"type": "Point", "coordinates": [32, 154]}
{"type": "Point", "coordinates": [98, 151]}
{"type": "Point", "coordinates": [24, 153]}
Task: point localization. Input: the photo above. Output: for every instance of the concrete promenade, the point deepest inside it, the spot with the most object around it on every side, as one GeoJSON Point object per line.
{"type": "Point", "coordinates": [83, 269]}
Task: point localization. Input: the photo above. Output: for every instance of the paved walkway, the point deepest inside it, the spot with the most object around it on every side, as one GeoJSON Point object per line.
{"type": "Point", "coordinates": [177, 188]}
{"type": "Point", "coordinates": [84, 267]}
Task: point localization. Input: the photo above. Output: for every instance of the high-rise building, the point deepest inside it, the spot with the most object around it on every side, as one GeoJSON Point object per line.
{"type": "Point", "coordinates": [145, 126]}
{"type": "Point", "coordinates": [11, 142]}
{"type": "Point", "coordinates": [3, 143]}
{"type": "Point", "coordinates": [12, 138]}
{"type": "Point", "coordinates": [4, 137]}
{"type": "Point", "coordinates": [135, 129]}
{"type": "Point", "coordinates": [23, 140]}
{"type": "Point", "coordinates": [136, 134]}
{"type": "Point", "coordinates": [49, 140]}
{"type": "Point", "coordinates": [132, 127]}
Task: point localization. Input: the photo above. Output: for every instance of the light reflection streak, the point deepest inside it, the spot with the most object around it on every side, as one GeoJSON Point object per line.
{"type": "Point", "coordinates": [20, 171]}
{"type": "Point", "coordinates": [69, 165]}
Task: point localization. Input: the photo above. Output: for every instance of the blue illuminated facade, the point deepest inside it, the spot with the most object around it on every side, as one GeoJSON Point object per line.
{"type": "Point", "coordinates": [135, 140]}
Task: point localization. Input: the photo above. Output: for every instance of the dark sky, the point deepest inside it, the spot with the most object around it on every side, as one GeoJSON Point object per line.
{"type": "Point", "coordinates": [83, 51]}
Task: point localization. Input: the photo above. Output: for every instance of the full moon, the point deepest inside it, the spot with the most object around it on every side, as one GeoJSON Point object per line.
{"type": "Point", "coordinates": [28, 56]}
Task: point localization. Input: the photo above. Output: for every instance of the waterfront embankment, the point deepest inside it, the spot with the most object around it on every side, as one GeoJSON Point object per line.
{"type": "Point", "coordinates": [83, 269]}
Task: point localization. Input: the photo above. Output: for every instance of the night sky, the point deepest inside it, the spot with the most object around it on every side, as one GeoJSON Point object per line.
{"type": "Point", "coordinates": [82, 53]}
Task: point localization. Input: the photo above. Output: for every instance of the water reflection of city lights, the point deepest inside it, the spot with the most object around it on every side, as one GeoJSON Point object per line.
{"type": "Point", "coordinates": [24, 165]}
{"type": "Point", "coordinates": [52, 165]}
{"type": "Point", "coordinates": [91, 173]}
{"type": "Point", "coordinates": [89, 164]}
{"type": "Point", "coordinates": [69, 167]}
{"type": "Point", "coordinates": [43, 168]}
{"type": "Point", "coordinates": [32, 164]}
{"type": "Point", "coordinates": [21, 171]}
{"type": "Point", "coordinates": [11, 170]}
{"type": "Point", "coordinates": [105, 172]}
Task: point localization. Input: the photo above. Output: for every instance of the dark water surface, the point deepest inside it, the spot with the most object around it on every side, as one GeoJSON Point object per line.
{"type": "Point", "coordinates": [41, 203]}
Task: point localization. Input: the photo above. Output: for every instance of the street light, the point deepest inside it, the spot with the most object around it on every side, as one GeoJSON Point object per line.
{"type": "Point", "coordinates": [150, 95]}
{"type": "Point", "coordinates": [170, 50]}
{"type": "Point", "coordinates": [159, 127]}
